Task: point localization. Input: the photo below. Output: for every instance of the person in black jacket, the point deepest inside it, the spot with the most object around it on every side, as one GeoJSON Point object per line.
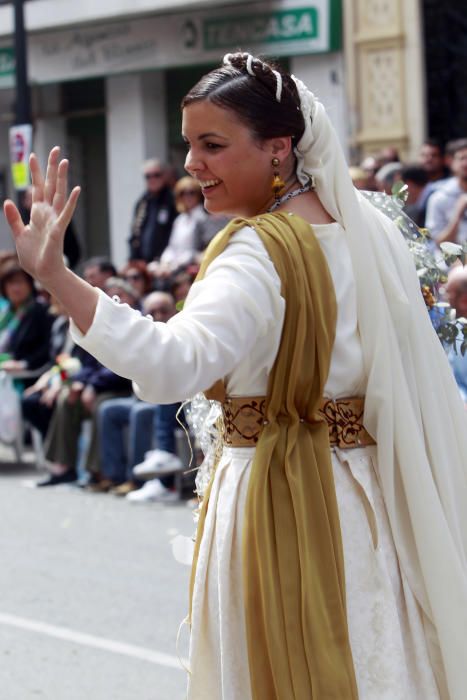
{"type": "Point", "coordinates": [24, 323]}
{"type": "Point", "coordinates": [153, 216]}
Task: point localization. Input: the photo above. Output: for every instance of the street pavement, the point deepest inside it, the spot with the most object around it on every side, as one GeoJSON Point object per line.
{"type": "Point", "coordinates": [91, 597]}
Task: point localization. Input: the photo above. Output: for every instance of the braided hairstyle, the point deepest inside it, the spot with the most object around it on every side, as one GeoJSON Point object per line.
{"type": "Point", "coordinates": [248, 87]}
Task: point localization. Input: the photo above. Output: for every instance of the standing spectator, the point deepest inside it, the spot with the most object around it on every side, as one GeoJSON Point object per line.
{"type": "Point", "coordinates": [432, 160]}
{"type": "Point", "coordinates": [446, 216]}
{"type": "Point", "coordinates": [153, 216]}
{"type": "Point", "coordinates": [416, 179]}
{"type": "Point", "coordinates": [389, 154]}
{"type": "Point", "coordinates": [456, 290]}
{"type": "Point", "coordinates": [370, 165]}
{"type": "Point", "coordinates": [359, 177]}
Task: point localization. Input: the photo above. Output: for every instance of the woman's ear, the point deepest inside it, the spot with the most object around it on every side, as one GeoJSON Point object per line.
{"type": "Point", "coordinates": [281, 146]}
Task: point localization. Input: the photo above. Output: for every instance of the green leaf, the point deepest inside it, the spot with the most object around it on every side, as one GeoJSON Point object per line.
{"type": "Point", "coordinates": [400, 190]}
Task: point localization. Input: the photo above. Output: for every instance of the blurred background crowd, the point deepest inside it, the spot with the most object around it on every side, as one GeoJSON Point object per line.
{"type": "Point", "coordinates": [105, 81]}
{"type": "Point", "coordinates": [90, 426]}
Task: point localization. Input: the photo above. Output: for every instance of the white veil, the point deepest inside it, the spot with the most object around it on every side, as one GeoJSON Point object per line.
{"type": "Point", "coordinates": [412, 405]}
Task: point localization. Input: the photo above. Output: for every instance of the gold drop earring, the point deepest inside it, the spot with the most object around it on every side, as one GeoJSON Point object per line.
{"type": "Point", "coordinates": [278, 184]}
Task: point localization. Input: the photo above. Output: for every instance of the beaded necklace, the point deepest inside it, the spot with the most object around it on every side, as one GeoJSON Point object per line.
{"type": "Point", "coordinates": [290, 195]}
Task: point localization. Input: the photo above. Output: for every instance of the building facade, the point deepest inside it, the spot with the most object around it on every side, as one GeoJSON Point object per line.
{"type": "Point", "coordinates": [106, 84]}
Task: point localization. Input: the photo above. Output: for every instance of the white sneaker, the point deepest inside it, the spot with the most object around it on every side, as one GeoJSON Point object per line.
{"type": "Point", "coordinates": [157, 463]}
{"type": "Point", "coordinates": [152, 491]}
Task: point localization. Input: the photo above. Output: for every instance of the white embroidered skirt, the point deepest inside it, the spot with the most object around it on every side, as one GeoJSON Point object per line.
{"type": "Point", "coordinates": [386, 631]}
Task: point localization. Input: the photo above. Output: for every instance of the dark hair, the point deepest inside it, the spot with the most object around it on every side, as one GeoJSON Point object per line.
{"type": "Point", "coordinates": [102, 263]}
{"type": "Point", "coordinates": [454, 146]}
{"type": "Point", "coordinates": [253, 98]}
{"type": "Point", "coordinates": [11, 269]}
{"type": "Point", "coordinates": [415, 173]}
{"type": "Point", "coordinates": [434, 143]}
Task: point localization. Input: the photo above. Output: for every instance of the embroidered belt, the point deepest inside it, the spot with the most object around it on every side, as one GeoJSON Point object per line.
{"type": "Point", "coordinates": [244, 420]}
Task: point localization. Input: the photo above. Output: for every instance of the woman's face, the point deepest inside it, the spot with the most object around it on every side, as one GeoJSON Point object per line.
{"type": "Point", "coordinates": [190, 196]}
{"type": "Point", "coordinates": [17, 289]}
{"type": "Point", "coordinates": [233, 168]}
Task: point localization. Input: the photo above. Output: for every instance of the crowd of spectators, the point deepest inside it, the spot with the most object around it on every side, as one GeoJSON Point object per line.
{"type": "Point", "coordinates": [128, 447]}
{"type": "Point", "coordinates": [436, 201]}
{"type": "Point", "coordinates": [437, 185]}
{"type": "Point", "coordinates": [95, 431]}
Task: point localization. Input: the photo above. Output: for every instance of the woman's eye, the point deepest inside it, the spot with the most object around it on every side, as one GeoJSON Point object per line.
{"type": "Point", "coordinates": [212, 146]}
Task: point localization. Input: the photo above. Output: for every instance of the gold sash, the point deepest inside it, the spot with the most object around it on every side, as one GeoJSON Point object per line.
{"type": "Point", "coordinates": [293, 566]}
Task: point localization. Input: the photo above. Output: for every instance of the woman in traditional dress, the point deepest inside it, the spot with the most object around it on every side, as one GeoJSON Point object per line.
{"type": "Point", "coordinates": [330, 559]}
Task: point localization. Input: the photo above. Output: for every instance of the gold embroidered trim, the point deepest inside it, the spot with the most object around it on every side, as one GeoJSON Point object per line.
{"type": "Point", "coordinates": [345, 420]}
{"type": "Point", "coordinates": [244, 418]}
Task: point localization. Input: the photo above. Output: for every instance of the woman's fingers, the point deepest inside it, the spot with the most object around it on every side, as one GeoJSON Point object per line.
{"type": "Point", "coordinates": [69, 208]}
{"type": "Point", "coordinates": [60, 194]}
{"type": "Point", "coordinates": [51, 175]}
{"type": "Point", "coordinates": [13, 217]}
{"type": "Point", "coordinates": [36, 179]}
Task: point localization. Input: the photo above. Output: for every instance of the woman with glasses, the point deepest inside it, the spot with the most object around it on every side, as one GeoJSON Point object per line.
{"type": "Point", "coordinates": [153, 215]}
{"type": "Point", "coordinates": [181, 248]}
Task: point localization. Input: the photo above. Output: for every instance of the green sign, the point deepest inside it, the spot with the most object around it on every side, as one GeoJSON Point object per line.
{"type": "Point", "coordinates": [7, 62]}
{"type": "Point", "coordinates": [266, 28]}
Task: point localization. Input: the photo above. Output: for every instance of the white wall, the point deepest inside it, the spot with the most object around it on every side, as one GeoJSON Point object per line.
{"type": "Point", "coordinates": [136, 130]}
{"type": "Point", "coordinates": [324, 76]}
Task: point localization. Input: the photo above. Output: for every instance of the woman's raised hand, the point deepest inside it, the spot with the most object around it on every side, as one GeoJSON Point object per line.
{"type": "Point", "coordinates": [40, 243]}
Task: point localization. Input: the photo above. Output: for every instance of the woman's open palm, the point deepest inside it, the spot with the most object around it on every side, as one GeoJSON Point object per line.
{"type": "Point", "coordinates": [40, 243]}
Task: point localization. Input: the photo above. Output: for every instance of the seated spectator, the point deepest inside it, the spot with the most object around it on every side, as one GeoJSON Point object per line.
{"type": "Point", "coordinates": [96, 270]}
{"type": "Point", "coordinates": [127, 426]}
{"type": "Point", "coordinates": [24, 323]}
{"type": "Point", "coordinates": [446, 216]}
{"type": "Point", "coordinates": [181, 248]}
{"type": "Point", "coordinates": [126, 292]}
{"type": "Point", "coordinates": [136, 273]}
{"type": "Point", "coordinates": [416, 179]}
{"type": "Point", "coordinates": [181, 284]}
{"type": "Point", "coordinates": [74, 404]}
{"type": "Point", "coordinates": [38, 400]}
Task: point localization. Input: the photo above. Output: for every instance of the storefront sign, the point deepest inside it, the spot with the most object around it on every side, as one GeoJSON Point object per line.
{"type": "Point", "coordinates": [268, 28]}
{"type": "Point", "coordinates": [277, 28]}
